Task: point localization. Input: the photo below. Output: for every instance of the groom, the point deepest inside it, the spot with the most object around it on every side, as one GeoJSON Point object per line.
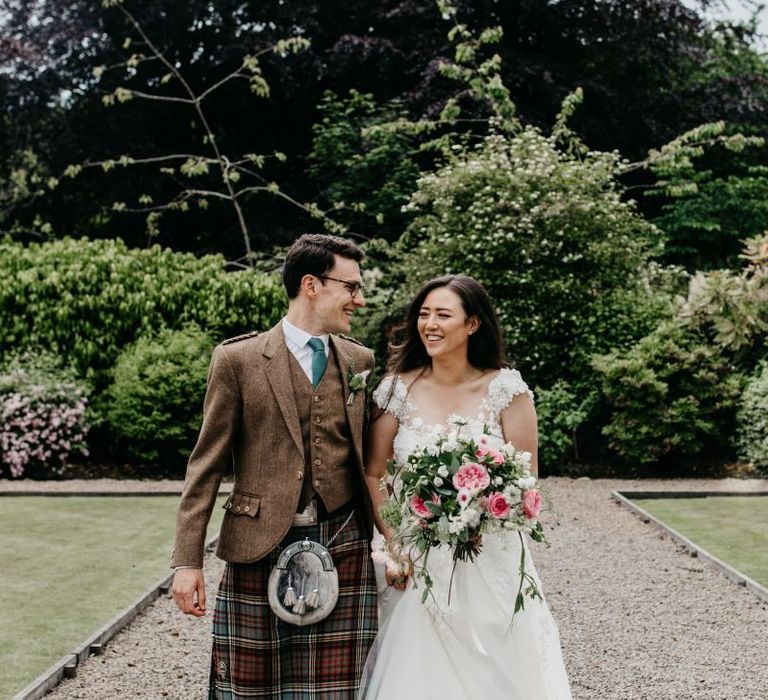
{"type": "Point", "coordinates": [286, 410]}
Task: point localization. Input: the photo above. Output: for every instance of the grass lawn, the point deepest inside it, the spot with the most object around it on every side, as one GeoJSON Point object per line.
{"type": "Point", "coordinates": [68, 565]}
{"type": "Point", "coordinates": [732, 528]}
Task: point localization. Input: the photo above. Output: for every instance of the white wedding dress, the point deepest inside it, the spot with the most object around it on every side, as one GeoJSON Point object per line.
{"type": "Point", "coordinates": [466, 649]}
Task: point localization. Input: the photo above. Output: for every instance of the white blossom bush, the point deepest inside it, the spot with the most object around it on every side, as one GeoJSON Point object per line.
{"type": "Point", "coordinates": [43, 416]}
{"type": "Point", "coordinates": [550, 235]}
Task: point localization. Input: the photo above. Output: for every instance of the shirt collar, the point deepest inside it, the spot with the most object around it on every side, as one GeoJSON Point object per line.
{"type": "Point", "coordinates": [298, 337]}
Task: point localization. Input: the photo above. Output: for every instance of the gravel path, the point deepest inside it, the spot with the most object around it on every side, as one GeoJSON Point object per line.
{"type": "Point", "coordinates": [639, 618]}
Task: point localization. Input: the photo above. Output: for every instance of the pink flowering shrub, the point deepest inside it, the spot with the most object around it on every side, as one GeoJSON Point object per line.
{"type": "Point", "coordinates": [42, 416]}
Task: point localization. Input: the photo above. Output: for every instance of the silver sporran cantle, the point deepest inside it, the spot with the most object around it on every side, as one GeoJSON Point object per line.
{"type": "Point", "coordinates": [304, 585]}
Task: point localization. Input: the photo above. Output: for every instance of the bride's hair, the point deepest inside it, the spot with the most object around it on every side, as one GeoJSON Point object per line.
{"type": "Point", "coordinates": [486, 346]}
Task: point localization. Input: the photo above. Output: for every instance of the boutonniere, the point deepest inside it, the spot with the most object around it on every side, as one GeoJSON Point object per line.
{"type": "Point", "coordinates": [357, 382]}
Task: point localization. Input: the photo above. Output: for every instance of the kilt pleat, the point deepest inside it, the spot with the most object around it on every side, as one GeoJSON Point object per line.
{"type": "Point", "coordinates": [257, 655]}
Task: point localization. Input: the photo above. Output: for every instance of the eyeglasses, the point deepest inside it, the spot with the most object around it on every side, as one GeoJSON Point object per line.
{"type": "Point", "coordinates": [354, 288]}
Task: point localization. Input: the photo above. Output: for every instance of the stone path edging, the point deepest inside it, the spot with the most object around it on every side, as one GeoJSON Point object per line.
{"type": "Point", "coordinates": [624, 498]}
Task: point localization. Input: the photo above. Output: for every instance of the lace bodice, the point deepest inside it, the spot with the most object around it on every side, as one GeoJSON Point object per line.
{"type": "Point", "coordinates": [393, 397]}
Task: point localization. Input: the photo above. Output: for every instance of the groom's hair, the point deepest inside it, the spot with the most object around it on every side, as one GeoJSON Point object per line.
{"type": "Point", "coordinates": [313, 254]}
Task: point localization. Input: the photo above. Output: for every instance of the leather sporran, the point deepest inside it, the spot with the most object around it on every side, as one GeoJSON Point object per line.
{"type": "Point", "coordinates": [304, 584]}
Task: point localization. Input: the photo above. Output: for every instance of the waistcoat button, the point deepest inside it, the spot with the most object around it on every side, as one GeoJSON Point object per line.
{"type": "Point", "coordinates": [299, 475]}
{"type": "Point", "coordinates": [318, 462]}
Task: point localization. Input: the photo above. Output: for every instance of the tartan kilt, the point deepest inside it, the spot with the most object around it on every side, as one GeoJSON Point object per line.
{"type": "Point", "coordinates": [257, 655]}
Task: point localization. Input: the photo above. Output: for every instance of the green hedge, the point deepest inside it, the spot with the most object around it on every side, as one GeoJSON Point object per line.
{"type": "Point", "coordinates": [87, 300]}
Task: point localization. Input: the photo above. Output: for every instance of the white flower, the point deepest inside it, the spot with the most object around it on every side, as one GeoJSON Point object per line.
{"type": "Point", "coordinates": [524, 457]}
{"type": "Point", "coordinates": [527, 482]}
{"type": "Point", "coordinates": [497, 481]}
{"type": "Point", "coordinates": [509, 450]}
{"type": "Point", "coordinates": [437, 481]}
{"type": "Point", "coordinates": [464, 497]}
{"type": "Point", "coordinates": [471, 516]}
{"type": "Point", "coordinates": [443, 471]}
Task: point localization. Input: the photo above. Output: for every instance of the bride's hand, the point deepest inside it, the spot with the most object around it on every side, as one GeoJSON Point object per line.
{"type": "Point", "coordinates": [397, 572]}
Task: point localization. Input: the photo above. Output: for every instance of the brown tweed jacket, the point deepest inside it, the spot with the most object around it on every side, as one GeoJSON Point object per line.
{"type": "Point", "coordinates": [250, 421]}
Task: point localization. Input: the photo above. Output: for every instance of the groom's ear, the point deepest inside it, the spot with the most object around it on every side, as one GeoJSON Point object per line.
{"type": "Point", "coordinates": [308, 285]}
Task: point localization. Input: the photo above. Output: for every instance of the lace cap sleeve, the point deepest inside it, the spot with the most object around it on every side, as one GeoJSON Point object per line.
{"type": "Point", "coordinates": [504, 387]}
{"type": "Point", "coordinates": [392, 396]}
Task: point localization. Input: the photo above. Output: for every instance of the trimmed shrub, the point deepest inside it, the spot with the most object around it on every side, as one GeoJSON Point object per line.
{"type": "Point", "coordinates": [752, 421]}
{"type": "Point", "coordinates": [672, 394]}
{"type": "Point", "coordinates": [155, 399]}
{"type": "Point", "coordinates": [87, 300]}
{"type": "Point", "coordinates": [42, 415]}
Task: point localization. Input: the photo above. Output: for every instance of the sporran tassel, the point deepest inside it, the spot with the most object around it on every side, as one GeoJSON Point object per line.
{"type": "Point", "coordinates": [290, 595]}
{"type": "Point", "coordinates": [301, 607]}
{"type": "Point", "coordinates": [314, 597]}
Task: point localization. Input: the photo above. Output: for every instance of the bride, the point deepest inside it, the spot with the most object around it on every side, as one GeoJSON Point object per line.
{"type": "Point", "coordinates": [450, 367]}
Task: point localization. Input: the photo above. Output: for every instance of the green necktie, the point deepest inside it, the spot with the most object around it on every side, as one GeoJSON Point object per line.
{"type": "Point", "coordinates": [319, 360]}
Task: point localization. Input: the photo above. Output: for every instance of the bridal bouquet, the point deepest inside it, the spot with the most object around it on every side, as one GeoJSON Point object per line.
{"type": "Point", "coordinates": [452, 492]}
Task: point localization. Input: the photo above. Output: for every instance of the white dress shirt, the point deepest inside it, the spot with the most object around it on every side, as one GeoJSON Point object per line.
{"type": "Point", "coordinates": [296, 340]}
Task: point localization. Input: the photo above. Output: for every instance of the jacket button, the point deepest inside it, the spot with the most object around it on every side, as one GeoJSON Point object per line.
{"type": "Point", "coordinates": [299, 475]}
{"type": "Point", "coordinates": [317, 419]}
{"type": "Point", "coordinates": [317, 482]}
{"type": "Point", "coordinates": [317, 399]}
{"type": "Point", "coordinates": [247, 508]}
{"type": "Point", "coordinates": [318, 462]}
{"type": "Point", "coordinates": [317, 441]}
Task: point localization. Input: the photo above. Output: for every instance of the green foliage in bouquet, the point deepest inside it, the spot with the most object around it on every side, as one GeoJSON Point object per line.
{"type": "Point", "coordinates": [153, 405]}
{"type": "Point", "coordinates": [752, 420]}
{"type": "Point", "coordinates": [43, 415]}
{"type": "Point", "coordinates": [86, 300]}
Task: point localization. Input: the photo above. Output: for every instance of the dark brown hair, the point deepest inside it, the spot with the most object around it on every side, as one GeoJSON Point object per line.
{"type": "Point", "coordinates": [486, 345]}
{"type": "Point", "coordinates": [312, 254]}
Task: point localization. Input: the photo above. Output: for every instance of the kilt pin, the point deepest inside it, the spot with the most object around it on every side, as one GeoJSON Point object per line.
{"type": "Point", "coordinates": [289, 443]}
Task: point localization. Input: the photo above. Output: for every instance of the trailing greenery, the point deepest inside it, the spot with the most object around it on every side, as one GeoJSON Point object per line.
{"type": "Point", "coordinates": [155, 399]}
{"type": "Point", "coordinates": [752, 420]}
{"type": "Point", "coordinates": [86, 300]}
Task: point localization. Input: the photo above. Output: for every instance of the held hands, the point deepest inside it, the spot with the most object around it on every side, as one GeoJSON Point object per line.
{"type": "Point", "coordinates": [398, 567]}
{"type": "Point", "coordinates": [397, 571]}
{"type": "Point", "coordinates": [188, 591]}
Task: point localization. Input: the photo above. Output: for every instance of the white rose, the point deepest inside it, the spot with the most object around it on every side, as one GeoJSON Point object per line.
{"type": "Point", "coordinates": [497, 481]}
{"type": "Point", "coordinates": [443, 471]}
{"type": "Point", "coordinates": [509, 450]}
{"type": "Point", "coordinates": [437, 481]}
{"type": "Point", "coordinates": [524, 457]}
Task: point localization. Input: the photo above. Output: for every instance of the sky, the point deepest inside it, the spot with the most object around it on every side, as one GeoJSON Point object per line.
{"type": "Point", "coordinates": [735, 10]}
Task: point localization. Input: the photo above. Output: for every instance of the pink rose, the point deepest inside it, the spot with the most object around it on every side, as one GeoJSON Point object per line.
{"type": "Point", "coordinates": [471, 476]}
{"type": "Point", "coordinates": [497, 456]}
{"type": "Point", "coordinates": [498, 505]}
{"type": "Point", "coordinates": [419, 508]}
{"type": "Point", "coordinates": [531, 503]}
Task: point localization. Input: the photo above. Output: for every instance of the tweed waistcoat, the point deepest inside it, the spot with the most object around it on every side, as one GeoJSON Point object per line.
{"type": "Point", "coordinates": [328, 451]}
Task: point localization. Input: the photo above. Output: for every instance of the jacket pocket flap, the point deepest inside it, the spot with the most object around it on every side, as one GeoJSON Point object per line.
{"type": "Point", "coordinates": [242, 504]}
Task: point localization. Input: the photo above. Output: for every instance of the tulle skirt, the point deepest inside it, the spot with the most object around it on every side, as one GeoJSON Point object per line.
{"type": "Point", "coordinates": [466, 648]}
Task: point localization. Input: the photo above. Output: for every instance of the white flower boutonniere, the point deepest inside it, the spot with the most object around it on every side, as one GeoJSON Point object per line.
{"type": "Point", "coordinates": [357, 382]}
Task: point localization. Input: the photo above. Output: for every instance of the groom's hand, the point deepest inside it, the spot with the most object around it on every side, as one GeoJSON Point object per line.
{"type": "Point", "coordinates": [399, 580]}
{"type": "Point", "coordinates": [188, 591]}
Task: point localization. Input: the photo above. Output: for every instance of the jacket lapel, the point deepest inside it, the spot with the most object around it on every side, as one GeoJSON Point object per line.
{"type": "Point", "coordinates": [279, 377]}
{"type": "Point", "coordinates": [355, 411]}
